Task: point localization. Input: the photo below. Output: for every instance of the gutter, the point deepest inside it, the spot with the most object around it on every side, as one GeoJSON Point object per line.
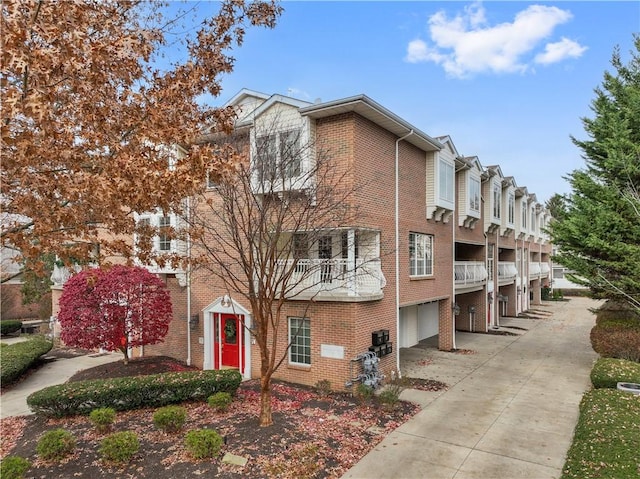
{"type": "Point", "coordinates": [397, 244]}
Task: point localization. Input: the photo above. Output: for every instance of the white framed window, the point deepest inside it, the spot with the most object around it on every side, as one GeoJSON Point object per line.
{"type": "Point", "coordinates": [278, 155]}
{"type": "Point", "coordinates": [497, 198]}
{"type": "Point", "coordinates": [300, 341]}
{"type": "Point", "coordinates": [474, 194]}
{"type": "Point", "coordinates": [446, 174]}
{"type": "Point", "coordinates": [524, 215]}
{"type": "Point", "coordinates": [533, 220]}
{"type": "Point", "coordinates": [420, 254]}
{"type": "Point", "coordinates": [511, 206]}
{"type": "Point", "coordinates": [164, 239]}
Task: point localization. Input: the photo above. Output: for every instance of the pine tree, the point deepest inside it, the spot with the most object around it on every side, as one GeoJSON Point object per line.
{"type": "Point", "coordinates": [598, 235]}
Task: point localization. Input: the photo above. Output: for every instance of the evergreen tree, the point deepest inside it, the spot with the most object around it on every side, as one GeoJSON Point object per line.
{"type": "Point", "coordinates": [598, 234]}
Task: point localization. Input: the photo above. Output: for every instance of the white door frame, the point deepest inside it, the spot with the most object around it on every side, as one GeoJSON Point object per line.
{"type": "Point", "coordinates": [233, 307]}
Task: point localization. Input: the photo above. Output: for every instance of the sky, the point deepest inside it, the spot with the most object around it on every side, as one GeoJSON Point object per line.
{"type": "Point", "coordinates": [508, 81]}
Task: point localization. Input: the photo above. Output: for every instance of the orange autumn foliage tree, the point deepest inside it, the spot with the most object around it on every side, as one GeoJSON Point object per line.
{"type": "Point", "coordinates": [89, 122]}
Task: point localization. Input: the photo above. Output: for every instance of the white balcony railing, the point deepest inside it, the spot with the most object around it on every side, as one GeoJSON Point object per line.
{"type": "Point", "coordinates": [507, 272]}
{"type": "Point", "coordinates": [544, 269]}
{"type": "Point", "coordinates": [469, 273]}
{"type": "Point", "coordinates": [335, 279]}
{"type": "Point", "coordinates": [534, 270]}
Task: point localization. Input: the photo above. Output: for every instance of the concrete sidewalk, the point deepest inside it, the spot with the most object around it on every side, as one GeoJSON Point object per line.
{"type": "Point", "coordinates": [14, 401]}
{"type": "Point", "coordinates": [511, 406]}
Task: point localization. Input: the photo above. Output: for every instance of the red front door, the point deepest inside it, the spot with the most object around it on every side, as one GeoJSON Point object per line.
{"type": "Point", "coordinates": [228, 341]}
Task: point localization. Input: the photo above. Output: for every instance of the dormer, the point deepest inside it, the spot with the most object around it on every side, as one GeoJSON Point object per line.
{"type": "Point", "coordinates": [468, 181]}
{"type": "Point", "coordinates": [492, 192]}
{"type": "Point", "coordinates": [508, 224]}
{"type": "Point", "coordinates": [282, 153]}
{"type": "Point", "coordinates": [441, 181]}
{"type": "Point", "coordinates": [522, 212]}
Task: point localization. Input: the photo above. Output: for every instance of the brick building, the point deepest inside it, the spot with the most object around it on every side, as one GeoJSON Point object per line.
{"type": "Point", "coordinates": [449, 245]}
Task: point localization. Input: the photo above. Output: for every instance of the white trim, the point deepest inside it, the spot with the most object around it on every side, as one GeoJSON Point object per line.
{"type": "Point", "coordinates": [208, 316]}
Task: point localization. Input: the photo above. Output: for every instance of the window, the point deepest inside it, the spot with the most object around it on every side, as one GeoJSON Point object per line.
{"type": "Point", "coordinates": [420, 254]}
{"type": "Point", "coordinates": [164, 243]}
{"type": "Point", "coordinates": [524, 215]}
{"type": "Point", "coordinates": [474, 194]}
{"type": "Point", "coordinates": [300, 341]}
{"type": "Point", "coordinates": [278, 155]}
{"type": "Point", "coordinates": [301, 251]}
{"type": "Point", "coordinates": [446, 175]}
{"type": "Point", "coordinates": [511, 205]}
{"type": "Point", "coordinates": [290, 153]}
{"type": "Point", "coordinates": [266, 157]}
{"type": "Point", "coordinates": [533, 220]}
{"type": "Point", "coordinates": [497, 197]}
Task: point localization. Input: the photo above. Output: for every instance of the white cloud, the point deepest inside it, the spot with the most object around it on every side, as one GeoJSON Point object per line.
{"type": "Point", "coordinates": [466, 44]}
{"type": "Point", "coordinates": [556, 52]}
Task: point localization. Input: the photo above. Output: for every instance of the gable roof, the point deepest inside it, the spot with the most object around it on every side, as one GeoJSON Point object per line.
{"type": "Point", "coordinates": [373, 111]}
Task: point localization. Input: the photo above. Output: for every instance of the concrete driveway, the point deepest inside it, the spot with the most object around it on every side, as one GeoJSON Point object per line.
{"type": "Point", "coordinates": [511, 406]}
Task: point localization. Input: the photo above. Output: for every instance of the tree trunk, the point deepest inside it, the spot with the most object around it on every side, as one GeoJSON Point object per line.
{"type": "Point", "coordinates": [125, 352]}
{"type": "Point", "coordinates": [266, 418]}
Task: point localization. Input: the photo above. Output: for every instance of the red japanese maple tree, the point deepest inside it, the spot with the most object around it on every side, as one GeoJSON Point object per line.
{"type": "Point", "coordinates": [114, 309]}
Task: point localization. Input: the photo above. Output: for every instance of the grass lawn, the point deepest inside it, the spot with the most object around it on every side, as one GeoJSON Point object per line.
{"type": "Point", "coordinates": [606, 443]}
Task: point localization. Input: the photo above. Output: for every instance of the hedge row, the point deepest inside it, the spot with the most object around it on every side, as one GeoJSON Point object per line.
{"type": "Point", "coordinates": [617, 338]}
{"type": "Point", "coordinates": [128, 393]}
{"type": "Point", "coordinates": [607, 372]}
{"type": "Point", "coordinates": [10, 326]}
{"type": "Point", "coordinates": [17, 358]}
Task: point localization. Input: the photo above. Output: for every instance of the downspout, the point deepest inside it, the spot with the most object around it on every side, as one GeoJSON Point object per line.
{"type": "Point", "coordinates": [496, 283]}
{"type": "Point", "coordinates": [397, 240]}
{"type": "Point", "coordinates": [188, 274]}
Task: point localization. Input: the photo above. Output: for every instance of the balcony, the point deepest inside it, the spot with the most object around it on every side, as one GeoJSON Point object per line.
{"type": "Point", "coordinates": [335, 279]}
{"type": "Point", "coordinates": [469, 275]}
{"type": "Point", "coordinates": [534, 270]}
{"type": "Point", "coordinates": [507, 272]}
{"type": "Point", "coordinates": [545, 270]}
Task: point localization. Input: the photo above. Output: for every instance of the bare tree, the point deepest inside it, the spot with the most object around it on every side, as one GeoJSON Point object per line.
{"type": "Point", "coordinates": [285, 198]}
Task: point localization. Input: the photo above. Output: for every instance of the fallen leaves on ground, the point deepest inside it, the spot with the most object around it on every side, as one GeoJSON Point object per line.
{"type": "Point", "coordinates": [313, 435]}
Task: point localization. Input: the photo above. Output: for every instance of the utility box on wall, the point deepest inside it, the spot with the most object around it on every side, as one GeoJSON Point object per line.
{"type": "Point", "coordinates": [380, 343]}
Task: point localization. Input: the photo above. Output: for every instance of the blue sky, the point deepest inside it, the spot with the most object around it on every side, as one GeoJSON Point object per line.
{"type": "Point", "coordinates": [508, 81]}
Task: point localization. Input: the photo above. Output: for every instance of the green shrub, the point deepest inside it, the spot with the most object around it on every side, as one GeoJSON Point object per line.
{"type": "Point", "coordinates": [119, 447]}
{"type": "Point", "coordinates": [170, 418]}
{"type": "Point", "coordinates": [607, 372]}
{"type": "Point", "coordinates": [617, 338]}
{"type": "Point", "coordinates": [220, 401]}
{"type": "Point", "coordinates": [10, 326]}
{"type": "Point", "coordinates": [55, 445]}
{"type": "Point", "coordinates": [390, 395]}
{"type": "Point", "coordinates": [203, 443]}
{"type": "Point", "coordinates": [14, 467]}
{"type": "Point", "coordinates": [17, 358]}
{"type": "Point", "coordinates": [102, 418]}
{"type": "Point", "coordinates": [123, 394]}
{"type": "Point", "coordinates": [363, 392]}
{"type": "Point", "coordinates": [323, 387]}
{"type": "Point", "coordinates": [616, 311]}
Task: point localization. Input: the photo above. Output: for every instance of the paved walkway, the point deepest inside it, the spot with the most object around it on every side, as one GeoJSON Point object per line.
{"type": "Point", "coordinates": [511, 407]}
{"type": "Point", "coordinates": [14, 401]}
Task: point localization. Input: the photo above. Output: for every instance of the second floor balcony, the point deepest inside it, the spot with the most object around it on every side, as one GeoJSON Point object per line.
{"type": "Point", "coordinates": [507, 272]}
{"type": "Point", "coordinates": [535, 271]}
{"type": "Point", "coordinates": [334, 279]}
{"type": "Point", "coordinates": [469, 275]}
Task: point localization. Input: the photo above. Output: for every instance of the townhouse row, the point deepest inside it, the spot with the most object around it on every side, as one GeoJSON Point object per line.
{"type": "Point", "coordinates": [449, 245]}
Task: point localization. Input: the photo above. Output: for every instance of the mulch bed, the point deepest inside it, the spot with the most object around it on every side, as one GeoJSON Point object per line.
{"type": "Point", "coordinates": [313, 435]}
